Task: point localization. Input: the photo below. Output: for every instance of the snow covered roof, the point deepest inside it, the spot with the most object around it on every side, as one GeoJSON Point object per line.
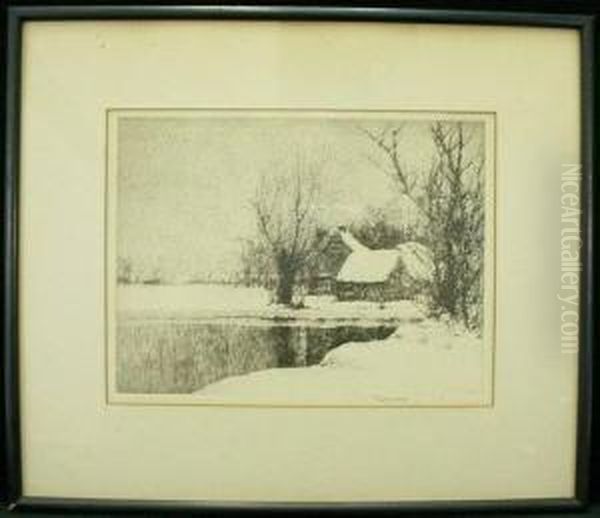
{"type": "Point", "coordinates": [364, 265]}
{"type": "Point", "coordinates": [351, 242]}
{"type": "Point", "coordinates": [369, 266]}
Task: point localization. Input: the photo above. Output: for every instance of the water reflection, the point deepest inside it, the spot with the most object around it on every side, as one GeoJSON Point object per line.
{"type": "Point", "coordinates": [182, 357]}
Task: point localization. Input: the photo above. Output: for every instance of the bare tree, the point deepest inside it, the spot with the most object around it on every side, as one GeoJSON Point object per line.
{"type": "Point", "coordinates": [456, 214]}
{"type": "Point", "coordinates": [256, 268]}
{"type": "Point", "coordinates": [286, 207]}
{"type": "Point", "coordinates": [449, 197]}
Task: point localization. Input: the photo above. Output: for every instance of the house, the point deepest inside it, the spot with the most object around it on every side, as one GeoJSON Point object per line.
{"type": "Point", "coordinates": [321, 278]}
{"type": "Point", "coordinates": [380, 275]}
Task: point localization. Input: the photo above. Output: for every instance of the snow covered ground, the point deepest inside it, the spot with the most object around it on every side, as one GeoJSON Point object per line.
{"type": "Point", "coordinates": [425, 363]}
{"type": "Point", "coordinates": [213, 301]}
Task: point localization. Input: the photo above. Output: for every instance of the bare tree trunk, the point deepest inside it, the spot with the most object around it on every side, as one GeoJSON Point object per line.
{"type": "Point", "coordinates": [286, 279]}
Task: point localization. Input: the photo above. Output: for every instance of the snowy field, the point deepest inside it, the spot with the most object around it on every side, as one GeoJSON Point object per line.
{"type": "Point", "coordinates": [425, 363]}
{"type": "Point", "coordinates": [210, 301]}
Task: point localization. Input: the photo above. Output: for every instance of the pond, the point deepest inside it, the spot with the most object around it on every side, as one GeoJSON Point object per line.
{"type": "Point", "coordinates": [180, 357]}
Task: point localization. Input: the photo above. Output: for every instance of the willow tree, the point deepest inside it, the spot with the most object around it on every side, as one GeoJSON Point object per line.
{"type": "Point", "coordinates": [286, 207]}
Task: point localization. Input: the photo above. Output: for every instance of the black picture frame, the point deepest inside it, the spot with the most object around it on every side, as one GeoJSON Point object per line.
{"type": "Point", "coordinates": [579, 15]}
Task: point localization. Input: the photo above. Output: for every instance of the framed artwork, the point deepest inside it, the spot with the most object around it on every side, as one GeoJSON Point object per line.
{"type": "Point", "coordinates": [298, 257]}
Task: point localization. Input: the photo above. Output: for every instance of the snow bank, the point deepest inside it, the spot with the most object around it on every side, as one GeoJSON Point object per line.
{"type": "Point", "coordinates": [424, 363]}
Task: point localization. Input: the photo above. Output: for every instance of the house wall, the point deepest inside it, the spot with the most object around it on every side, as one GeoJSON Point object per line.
{"type": "Point", "coordinates": [321, 285]}
{"type": "Point", "coordinates": [321, 278]}
{"type": "Point", "coordinates": [360, 291]}
{"type": "Point", "coordinates": [396, 287]}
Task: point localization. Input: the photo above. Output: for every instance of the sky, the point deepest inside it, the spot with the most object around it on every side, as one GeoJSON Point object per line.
{"type": "Point", "coordinates": [184, 182]}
